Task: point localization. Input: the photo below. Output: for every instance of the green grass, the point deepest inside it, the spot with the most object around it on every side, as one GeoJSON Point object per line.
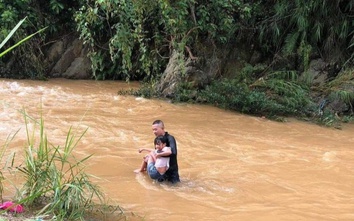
{"type": "Point", "coordinates": [54, 179]}
{"type": "Point", "coordinates": [55, 184]}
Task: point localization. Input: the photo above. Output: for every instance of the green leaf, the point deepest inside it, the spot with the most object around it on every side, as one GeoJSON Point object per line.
{"type": "Point", "coordinates": [12, 32]}
{"type": "Point", "coordinates": [20, 42]}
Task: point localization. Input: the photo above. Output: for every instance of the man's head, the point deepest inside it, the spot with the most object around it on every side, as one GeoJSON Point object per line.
{"type": "Point", "coordinates": [158, 128]}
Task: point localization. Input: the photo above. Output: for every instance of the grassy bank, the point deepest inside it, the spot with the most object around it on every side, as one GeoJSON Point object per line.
{"type": "Point", "coordinates": [276, 95]}
{"type": "Point", "coordinates": [55, 185]}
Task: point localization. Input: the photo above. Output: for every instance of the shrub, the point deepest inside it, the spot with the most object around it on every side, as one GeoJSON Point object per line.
{"type": "Point", "coordinates": [267, 98]}
{"type": "Point", "coordinates": [54, 179]}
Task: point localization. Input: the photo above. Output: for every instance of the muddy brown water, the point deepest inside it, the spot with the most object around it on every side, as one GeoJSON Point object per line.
{"type": "Point", "coordinates": [232, 166]}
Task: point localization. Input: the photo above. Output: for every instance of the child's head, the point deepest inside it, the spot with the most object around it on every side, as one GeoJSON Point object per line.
{"type": "Point", "coordinates": [160, 142]}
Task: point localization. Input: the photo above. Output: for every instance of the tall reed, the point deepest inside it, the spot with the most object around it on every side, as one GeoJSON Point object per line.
{"type": "Point", "coordinates": [20, 42]}
{"type": "Point", "coordinates": [54, 179]}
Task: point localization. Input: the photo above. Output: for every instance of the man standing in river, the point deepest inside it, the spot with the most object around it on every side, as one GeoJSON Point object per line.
{"type": "Point", "coordinates": [158, 128]}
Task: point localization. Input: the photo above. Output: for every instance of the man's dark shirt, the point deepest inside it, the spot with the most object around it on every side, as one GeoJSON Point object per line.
{"type": "Point", "coordinates": [172, 173]}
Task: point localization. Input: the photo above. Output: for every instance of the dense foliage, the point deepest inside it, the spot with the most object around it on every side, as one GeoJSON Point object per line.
{"type": "Point", "coordinates": [304, 28]}
{"type": "Point", "coordinates": [134, 40]}
{"type": "Point", "coordinates": [56, 15]}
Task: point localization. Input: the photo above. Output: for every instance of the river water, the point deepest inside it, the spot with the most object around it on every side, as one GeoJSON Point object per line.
{"type": "Point", "coordinates": [232, 166]}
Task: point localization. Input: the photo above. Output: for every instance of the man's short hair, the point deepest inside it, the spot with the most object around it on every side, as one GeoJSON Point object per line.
{"type": "Point", "coordinates": [159, 122]}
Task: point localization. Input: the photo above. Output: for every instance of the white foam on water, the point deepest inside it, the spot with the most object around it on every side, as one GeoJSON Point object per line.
{"type": "Point", "coordinates": [146, 182]}
{"type": "Point", "coordinates": [140, 99]}
{"type": "Point", "coordinates": [329, 156]}
{"type": "Point", "coordinates": [13, 86]}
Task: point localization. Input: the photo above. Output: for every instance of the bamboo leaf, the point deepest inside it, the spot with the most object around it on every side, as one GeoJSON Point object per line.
{"type": "Point", "coordinates": [12, 32]}
{"type": "Point", "coordinates": [20, 42]}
